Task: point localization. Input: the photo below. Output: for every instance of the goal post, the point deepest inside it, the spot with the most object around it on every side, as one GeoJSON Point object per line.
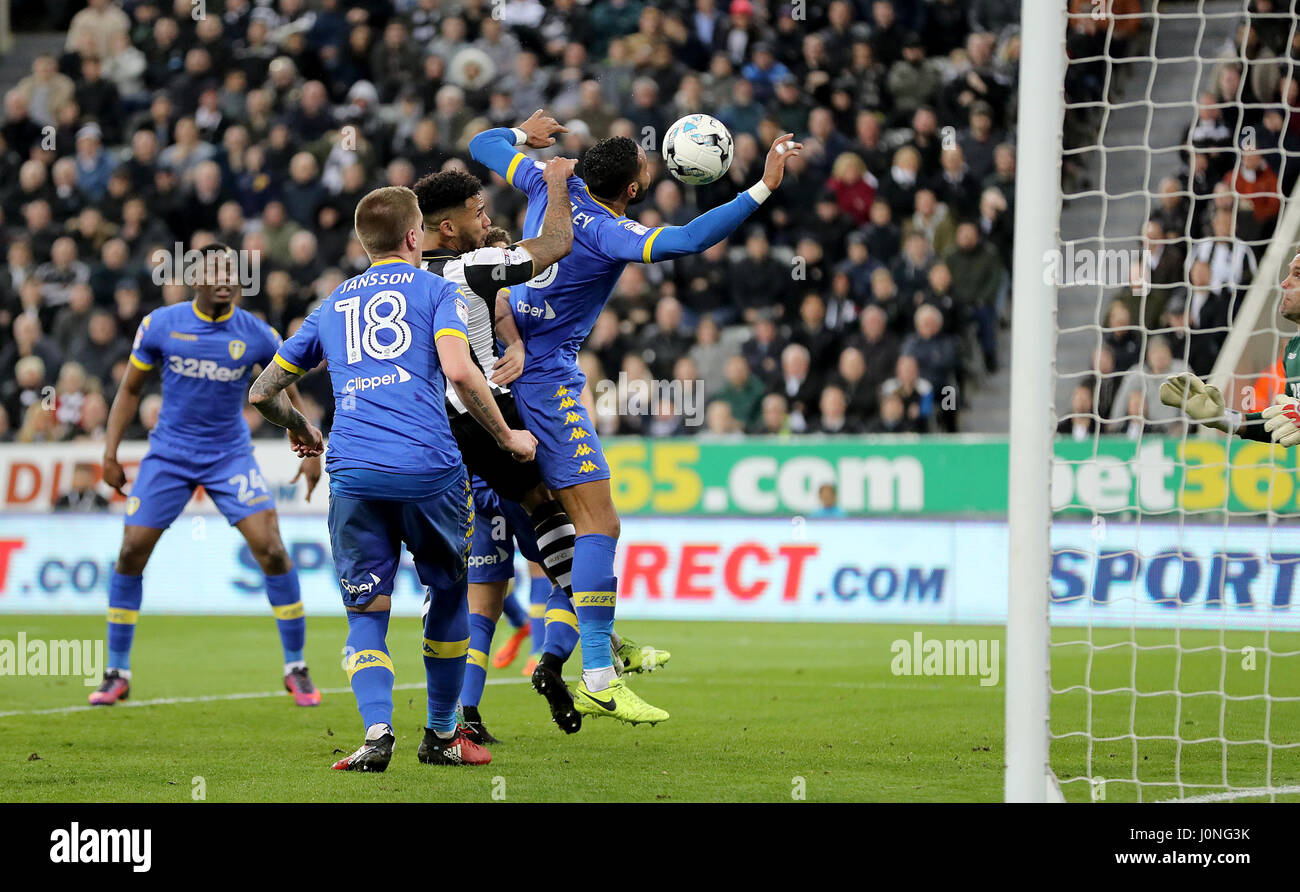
{"type": "Point", "coordinates": [1153, 621]}
{"type": "Point", "coordinates": [1032, 416]}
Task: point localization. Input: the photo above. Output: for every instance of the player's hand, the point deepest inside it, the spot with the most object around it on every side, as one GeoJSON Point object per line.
{"type": "Point", "coordinates": [539, 127]}
{"type": "Point", "coordinates": [308, 443]}
{"type": "Point", "coordinates": [114, 476]}
{"type": "Point", "coordinates": [1283, 420]}
{"type": "Point", "coordinates": [558, 170]}
{"type": "Point", "coordinates": [520, 444]}
{"type": "Point", "coordinates": [309, 470]}
{"type": "Point", "coordinates": [783, 148]}
{"type": "Point", "coordinates": [1199, 400]}
{"type": "Point", "coordinates": [510, 366]}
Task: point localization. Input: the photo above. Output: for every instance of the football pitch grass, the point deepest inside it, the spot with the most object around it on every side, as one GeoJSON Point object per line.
{"type": "Point", "coordinates": [760, 712]}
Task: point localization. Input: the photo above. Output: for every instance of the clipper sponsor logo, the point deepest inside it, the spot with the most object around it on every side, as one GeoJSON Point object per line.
{"type": "Point", "coordinates": [206, 369]}
{"type": "Point", "coordinates": [372, 382]}
{"type": "Point", "coordinates": [542, 312]}
{"type": "Point", "coordinates": [489, 560]}
{"type": "Point", "coordinates": [91, 846]}
{"type": "Point", "coordinates": [363, 588]}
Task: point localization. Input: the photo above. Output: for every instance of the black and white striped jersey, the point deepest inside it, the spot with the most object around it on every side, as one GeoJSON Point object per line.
{"type": "Point", "coordinates": [481, 273]}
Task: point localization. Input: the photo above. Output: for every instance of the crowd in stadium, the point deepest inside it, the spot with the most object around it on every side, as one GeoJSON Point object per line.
{"type": "Point", "coordinates": [1208, 228]}
{"type": "Point", "coordinates": [865, 296]}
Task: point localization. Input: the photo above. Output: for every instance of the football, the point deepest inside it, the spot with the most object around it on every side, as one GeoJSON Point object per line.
{"type": "Point", "coordinates": [697, 149]}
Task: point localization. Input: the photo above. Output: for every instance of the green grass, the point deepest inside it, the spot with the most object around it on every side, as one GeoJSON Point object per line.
{"type": "Point", "coordinates": [754, 706]}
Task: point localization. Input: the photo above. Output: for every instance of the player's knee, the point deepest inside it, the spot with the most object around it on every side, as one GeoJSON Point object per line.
{"type": "Point", "coordinates": [274, 559]}
{"type": "Point", "coordinates": [133, 556]}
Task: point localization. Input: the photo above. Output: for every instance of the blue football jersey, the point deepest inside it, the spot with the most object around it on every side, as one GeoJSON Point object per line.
{"type": "Point", "coordinates": [205, 364]}
{"type": "Point", "coordinates": [376, 333]}
{"type": "Point", "coordinates": [556, 310]}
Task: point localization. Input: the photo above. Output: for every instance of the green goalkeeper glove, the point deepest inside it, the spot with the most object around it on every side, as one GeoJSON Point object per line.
{"type": "Point", "coordinates": [1201, 402]}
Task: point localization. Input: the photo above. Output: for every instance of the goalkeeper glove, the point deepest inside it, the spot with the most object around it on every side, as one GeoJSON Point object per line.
{"type": "Point", "coordinates": [1283, 420]}
{"type": "Point", "coordinates": [1201, 402]}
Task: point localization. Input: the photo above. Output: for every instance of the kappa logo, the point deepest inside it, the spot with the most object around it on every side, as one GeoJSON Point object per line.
{"type": "Point", "coordinates": [542, 312]}
{"type": "Point", "coordinates": [586, 467]}
{"type": "Point", "coordinates": [563, 391]}
{"type": "Point", "coordinates": [568, 403]}
{"type": "Point", "coordinates": [364, 659]}
{"type": "Point", "coordinates": [363, 588]}
{"type": "Point", "coordinates": [236, 348]}
{"type": "Point", "coordinates": [572, 418]}
{"type": "Point", "coordinates": [577, 434]}
{"type": "Point", "coordinates": [582, 450]}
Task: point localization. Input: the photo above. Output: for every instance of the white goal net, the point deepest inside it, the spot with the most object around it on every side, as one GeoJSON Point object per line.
{"type": "Point", "coordinates": [1172, 656]}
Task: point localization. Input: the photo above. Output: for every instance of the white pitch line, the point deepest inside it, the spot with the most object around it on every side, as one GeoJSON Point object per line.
{"type": "Point", "coordinates": [1230, 795]}
{"type": "Point", "coordinates": [214, 698]}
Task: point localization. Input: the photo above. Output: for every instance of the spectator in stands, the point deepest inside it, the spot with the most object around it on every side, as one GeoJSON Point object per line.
{"type": "Point", "coordinates": [774, 418]}
{"type": "Point", "coordinates": [45, 91]}
{"type": "Point", "coordinates": [938, 362]}
{"type": "Point", "coordinates": [977, 274]}
{"type": "Point", "coordinates": [916, 393]}
{"type": "Point", "coordinates": [1081, 423]}
{"type": "Point", "coordinates": [894, 418]}
{"type": "Point", "coordinates": [710, 355]}
{"type": "Point", "coordinates": [932, 220]}
{"type": "Point", "coordinates": [1145, 380]}
{"type": "Point", "coordinates": [1120, 336]}
{"type": "Point", "coordinates": [743, 392]}
{"type": "Point", "coordinates": [1253, 179]}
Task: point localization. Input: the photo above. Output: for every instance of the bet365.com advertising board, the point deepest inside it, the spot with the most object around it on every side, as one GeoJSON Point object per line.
{"type": "Point", "coordinates": [875, 570]}
{"type": "Point", "coordinates": [926, 476]}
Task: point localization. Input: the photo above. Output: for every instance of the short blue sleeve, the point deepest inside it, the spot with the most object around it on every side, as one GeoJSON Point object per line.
{"type": "Point", "coordinates": [302, 352]}
{"type": "Point", "coordinates": [451, 313]}
{"type": "Point", "coordinates": [144, 351]}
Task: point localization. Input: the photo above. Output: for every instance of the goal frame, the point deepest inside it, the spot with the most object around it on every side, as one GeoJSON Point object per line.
{"type": "Point", "coordinates": [1032, 417]}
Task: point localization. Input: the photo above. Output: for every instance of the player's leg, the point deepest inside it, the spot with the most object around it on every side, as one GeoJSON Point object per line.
{"type": "Point", "coordinates": [554, 538]}
{"type": "Point", "coordinates": [601, 691]}
{"type": "Point", "coordinates": [262, 532]}
{"type": "Point", "coordinates": [485, 600]}
{"type": "Point", "coordinates": [438, 531]}
{"type": "Point", "coordinates": [515, 614]}
{"type": "Point", "coordinates": [491, 566]}
{"type": "Point", "coordinates": [539, 591]}
{"type": "Point", "coordinates": [573, 466]}
{"type": "Point", "coordinates": [237, 488]}
{"type": "Point", "coordinates": [365, 541]}
{"type": "Point", "coordinates": [158, 495]}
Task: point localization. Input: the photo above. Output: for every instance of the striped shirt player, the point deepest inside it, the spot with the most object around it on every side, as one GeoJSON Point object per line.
{"type": "Point", "coordinates": [510, 501]}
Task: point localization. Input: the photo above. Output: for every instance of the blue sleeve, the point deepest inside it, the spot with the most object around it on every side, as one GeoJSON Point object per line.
{"type": "Point", "coordinates": [302, 352]}
{"type": "Point", "coordinates": [144, 352]}
{"type": "Point", "coordinates": [451, 313]}
{"type": "Point", "coordinates": [271, 342]}
{"type": "Point", "coordinates": [495, 149]}
{"type": "Point", "coordinates": [706, 230]}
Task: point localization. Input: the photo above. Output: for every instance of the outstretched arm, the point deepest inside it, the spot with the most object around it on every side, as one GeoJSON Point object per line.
{"type": "Point", "coordinates": [268, 396]}
{"type": "Point", "coordinates": [496, 150]}
{"type": "Point", "coordinates": [711, 227]}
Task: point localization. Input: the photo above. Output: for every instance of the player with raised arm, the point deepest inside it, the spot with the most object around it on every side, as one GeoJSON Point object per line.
{"type": "Point", "coordinates": [555, 312]}
{"type": "Point", "coordinates": [204, 349]}
{"type": "Point", "coordinates": [456, 246]}
{"type": "Point", "coordinates": [391, 338]}
{"type": "Point", "coordinates": [1279, 422]}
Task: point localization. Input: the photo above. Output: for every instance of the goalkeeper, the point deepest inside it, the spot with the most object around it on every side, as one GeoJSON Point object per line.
{"type": "Point", "coordinates": [1279, 422]}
